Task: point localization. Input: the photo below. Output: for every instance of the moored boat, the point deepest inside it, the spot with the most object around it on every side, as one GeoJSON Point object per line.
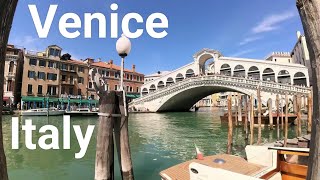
{"type": "Point", "coordinates": [42, 112]}
{"type": "Point", "coordinates": [83, 112]}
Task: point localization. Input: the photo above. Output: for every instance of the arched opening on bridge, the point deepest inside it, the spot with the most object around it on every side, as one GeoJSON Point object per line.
{"type": "Point", "coordinates": [268, 75]}
{"type": "Point", "coordinates": [239, 71]}
{"type": "Point", "coordinates": [145, 91]}
{"type": "Point", "coordinates": [189, 73]}
{"type": "Point", "coordinates": [254, 73]}
{"type": "Point", "coordinates": [225, 70]}
{"type": "Point", "coordinates": [169, 81]}
{"type": "Point", "coordinates": [161, 85]}
{"type": "Point", "coordinates": [300, 79]}
{"type": "Point", "coordinates": [179, 77]}
{"type": "Point", "coordinates": [204, 62]}
{"type": "Point", "coordinates": [284, 77]}
{"type": "Point", "coordinates": [152, 88]}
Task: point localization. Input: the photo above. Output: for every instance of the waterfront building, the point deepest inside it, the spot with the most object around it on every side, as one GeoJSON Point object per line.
{"type": "Point", "coordinates": [280, 57]}
{"type": "Point", "coordinates": [12, 75]}
{"type": "Point", "coordinates": [110, 72]}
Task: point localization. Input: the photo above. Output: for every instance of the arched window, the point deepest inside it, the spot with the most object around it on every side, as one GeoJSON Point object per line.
{"type": "Point", "coordinates": [152, 88]}
{"type": "Point", "coordinates": [145, 91]}
{"type": "Point", "coordinates": [268, 75]}
{"type": "Point", "coordinates": [300, 79]}
{"type": "Point", "coordinates": [225, 70]}
{"type": "Point", "coordinates": [189, 73]}
{"type": "Point", "coordinates": [284, 77]}
{"type": "Point", "coordinates": [11, 66]}
{"type": "Point", "coordinates": [179, 77]}
{"type": "Point", "coordinates": [254, 73]}
{"type": "Point", "coordinates": [160, 85]}
{"type": "Point", "coordinates": [239, 71]}
{"type": "Point", "coordinates": [169, 81]}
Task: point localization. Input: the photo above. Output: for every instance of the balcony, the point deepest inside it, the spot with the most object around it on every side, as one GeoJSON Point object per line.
{"type": "Point", "coordinates": [11, 57]}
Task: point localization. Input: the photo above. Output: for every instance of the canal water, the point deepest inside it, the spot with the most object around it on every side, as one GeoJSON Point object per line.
{"type": "Point", "coordinates": [157, 141]}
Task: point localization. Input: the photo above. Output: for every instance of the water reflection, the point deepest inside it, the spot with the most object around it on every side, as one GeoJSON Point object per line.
{"type": "Point", "coordinates": [157, 142]}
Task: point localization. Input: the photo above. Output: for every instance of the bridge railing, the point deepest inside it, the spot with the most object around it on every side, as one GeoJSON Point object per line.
{"type": "Point", "coordinates": [227, 79]}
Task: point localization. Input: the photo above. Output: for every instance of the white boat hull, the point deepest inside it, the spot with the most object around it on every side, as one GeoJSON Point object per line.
{"type": "Point", "coordinates": [42, 113]}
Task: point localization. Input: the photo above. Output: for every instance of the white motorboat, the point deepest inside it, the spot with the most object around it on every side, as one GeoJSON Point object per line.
{"type": "Point", "coordinates": [83, 111]}
{"type": "Point", "coordinates": [42, 112]}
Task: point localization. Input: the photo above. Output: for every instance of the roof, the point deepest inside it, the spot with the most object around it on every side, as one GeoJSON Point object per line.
{"type": "Point", "coordinates": [111, 66]}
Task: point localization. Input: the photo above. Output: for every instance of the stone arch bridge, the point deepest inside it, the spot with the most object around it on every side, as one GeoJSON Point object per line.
{"type": "Point", "coordinates": [180, 89]}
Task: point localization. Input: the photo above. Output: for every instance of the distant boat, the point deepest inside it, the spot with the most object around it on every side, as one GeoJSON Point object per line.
{"type": "Point", "coordinates": [83, 112]}
{"type": "Point", "coordinates": [42, 112]}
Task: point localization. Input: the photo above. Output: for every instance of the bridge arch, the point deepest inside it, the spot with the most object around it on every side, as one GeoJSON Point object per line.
{"type": "Point", "coordinates": [203, 56]}
{"type": "Point", "coordinates": [160, 85]}
{"type": "Point", "coordinates": [179, 77]}
{"type": "Point", "coordinates": [239, 71]}
{"type": "Point", "coordinates": [145, 91]}
{"type": "Point", "coordinates": [184, 100]}
{"type": "Point", "coordinates": [300, 78]}
{"type": "Point", "coordinates": [189, 73]}
{"type": "Point", "coordinates": [169, 81]}
{"type": "Point", "coordinates": [254, 73]}
{"type": "Point", "coordinates": [225, 69]}
{"type": "Point", "coordinates": [284, 77]}
{"type": "Point", "coordinates": [268, 75]}
{"type": "Point", "coordinates": [152, 88]}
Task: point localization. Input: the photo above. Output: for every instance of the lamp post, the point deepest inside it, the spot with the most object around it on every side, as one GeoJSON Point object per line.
{"type": "Point", "coordinates": [123, 47]}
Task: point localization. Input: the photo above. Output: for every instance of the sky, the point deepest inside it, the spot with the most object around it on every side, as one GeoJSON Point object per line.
{"type": "Point", "coordinates": [237, 28]}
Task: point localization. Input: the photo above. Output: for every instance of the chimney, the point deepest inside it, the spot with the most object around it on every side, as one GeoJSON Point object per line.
{"type": "Point", "coordinates": [99, 59]}
{"type": "Point", "coordinates": [134, 68]}
{"type": "Point", "coordinates": [111, 62]}
{"type": "Point", "coordinates": [89, 61]}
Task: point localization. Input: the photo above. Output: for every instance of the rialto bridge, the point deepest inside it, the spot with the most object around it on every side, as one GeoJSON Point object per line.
{"type": "Point", "coordinates": [180, 89]}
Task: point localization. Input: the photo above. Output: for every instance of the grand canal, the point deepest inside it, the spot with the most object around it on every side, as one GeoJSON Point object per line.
{"type": "Point", "coordinates": [157, 141]}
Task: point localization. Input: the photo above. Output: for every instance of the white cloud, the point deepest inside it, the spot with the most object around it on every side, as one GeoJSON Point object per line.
{"type": "Point", "coordinates": [250, 39]}
{"type": "Point", "coordinates": [28, 42]}
{"type": "Point", "coordinates": [243, 52]}
{"type": "Point", "coordinates": [272, 22]}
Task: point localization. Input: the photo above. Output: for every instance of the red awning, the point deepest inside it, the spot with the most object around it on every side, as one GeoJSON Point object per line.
{"type": "Point", "coordinates": [5, 98]}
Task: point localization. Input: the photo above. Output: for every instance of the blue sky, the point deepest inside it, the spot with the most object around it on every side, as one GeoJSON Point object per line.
{"type": "Point", "coordinates": [240, 28]}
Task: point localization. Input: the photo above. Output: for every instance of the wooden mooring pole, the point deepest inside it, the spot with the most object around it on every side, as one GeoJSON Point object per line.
{"type": "Point", "coordinates": [309, 113]}
{"type": "Point", "coordinates": [251, 119]}
{"type": "Point", "coordinates": [286, 121]}
{"type": "Point", "coordinates": [104, 166]}
{"type": "Point", "coordinates": [122, 139]}
{"type": "Point", "coordinates": [270, 113]}
{"type": "Point", "coordinates": [278, 127]}
{"type": "Point", "coordinates": [246, 116]}
{"type": "Point", "coordinates": [230, 126]}
{"type": "Point", "coordinates": [282, 106]}
{"type": "Point", "coordinates": [259, 115]}
{"type": "Point", "coordinates": [239, 108]}
{"type": "Point", "coordinates": [299, 115]}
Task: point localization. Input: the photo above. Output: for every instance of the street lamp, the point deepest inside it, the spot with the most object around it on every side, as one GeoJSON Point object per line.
{"type": "Point", "coordinates": [123, 47]}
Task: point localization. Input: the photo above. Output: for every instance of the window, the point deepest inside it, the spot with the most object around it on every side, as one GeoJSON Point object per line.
{"type": "Point", "coordinates": [137, 89]}
{"type": "Point", "coordinates": [80, 80]}
{"type": "Point", "coordinates": [90, 85]}
{"type": "Point", "coordinates": [289, 60]}
{"type": "Point", "coordinates": [51, 76]}
{"type": "Point", "coordinates": [72, 68]}
{"type": "Point", "coordinates": [33, 62]}
{"type": "Point", "coordinates": [127, 76]}
{"type": "Point", "coordinates": [29, 88]}
{"type": "Point", "coordinates": [80, 69]}
{"type": "Point", "coordinates": [41, 75]}
{"type": "Point", "coordinates": [63, 90]}
{"type": "Point", "coordinates": [79, 92]}
{"type": "Point", "coordinates": [138, 78]}
{"type": "Point", "coordinates": [115, 87]}
{"type": "Point", "coordinates": [63, 77]}
{"type": "Point", "coordinates": [52, 90]}
{"type": "Point", "coordinates": [71, 90]}
{"type": "Point", "coordinates": [52, 64]}
{"type": "Point", "coordinates": [107, 73]}
{"type": "Point", "coordinates": [131, 89]}
{"type": "Point", "coordinates": [31, 74]}
{"type": "Point", "coordinates": [71, 80]}
{"type": "Point", "coordinates": [39, 89]}
{"type": "Point", "coordinates": [64, 67]}
{"type": "Point", "coordinates": [9, 85]}
{"type": "Point", "coordinates": [42, 63]}
{"type": "Point", "coordinates": [92, 96]}
{"type": "Point", "coordinates": [54, 52]}
{"type": "Point", "coordinates": [103, 72]}
{"type": "Point", "coordinates": [106, 87]}
{"type": "Point", "coordinates": [128, 88]}
{"type": "Point", "coordinates": [117, 74]}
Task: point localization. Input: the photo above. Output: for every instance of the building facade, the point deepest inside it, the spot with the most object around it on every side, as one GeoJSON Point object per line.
{"type": "Point", "coordinates": [50, 79]}
{"type": "Point", "coordinates": [12, 76]}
